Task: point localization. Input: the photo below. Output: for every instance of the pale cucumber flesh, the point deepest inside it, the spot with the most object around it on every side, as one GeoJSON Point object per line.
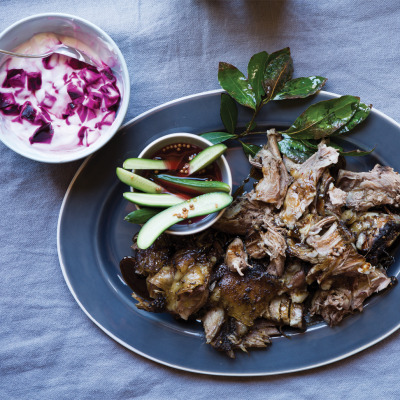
{"type": "Point", "coordinates": [195, 184]}
{"type": "Point", "coordinates": [138, 182]}
{"type": "Point", "coordinates": [144, 163]}
{"type": "Point", "coordinates": [205, 204]}
{"type": "Point", "coordinates": [153, 200]}
{"type": "Point", "coordinates": [206, 157]}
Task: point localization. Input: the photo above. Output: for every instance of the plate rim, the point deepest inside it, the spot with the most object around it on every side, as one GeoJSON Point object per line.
{"type": "Point", "coordinates": [155, 359]}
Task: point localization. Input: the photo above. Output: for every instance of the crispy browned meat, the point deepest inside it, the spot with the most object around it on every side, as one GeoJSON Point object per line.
{"type": "Point", "coordinates": [232, 335]}
{"type": "Point", "coordinates": [151, 260]}
{"type": "Point", "coordinates": [272, 187]}
{"type": "Point", "coordinates": [374, 232]}
{"type": "Point", "coordinates": [380, 186]}
{"type": "Point", "coordinates": [180, 285]}
{"type": "Point", "coordinates": [302, 191]}
{"type": "Point", "coordinates": [241, 216]}
{"type": "Point", "coordinates": [244, 297]}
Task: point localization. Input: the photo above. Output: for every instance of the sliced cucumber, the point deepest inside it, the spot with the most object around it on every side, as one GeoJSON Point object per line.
{"type": "Point", "coordinates": [144, 163]}
{"type": "Point", "coordinates": [201, 205]}
{"type": "Point", "coordinates": [142, 215]}
{"type": "Point", "coordinates": [206, 157]}
{"type": "Point", "coordinates": [138, 182]}
{"type": "Point", "coordinates": [153, 200]}
{"type": "Point", "coordinates": [193, 185]}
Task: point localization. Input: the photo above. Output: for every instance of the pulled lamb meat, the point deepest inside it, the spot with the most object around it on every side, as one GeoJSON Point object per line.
{"type": "Point", "coordinates": [347, 296]}
{"type": "Point", "coordinates": [329, 247]}
{"type": "Point", "coordinates": [236, 257]}
{"type": "Point", "coordinates": [301, 242]}
{"type": "Point", "coordinates": [380, 186]}
{"type": "Point", "coordinates": [303, 190]}
{"type": "Point", "coordinates": [269, 242]}
{"type": "Point", "coordinates": [227, 334]}
{"type": "Point", "coordinates": [273, 186]}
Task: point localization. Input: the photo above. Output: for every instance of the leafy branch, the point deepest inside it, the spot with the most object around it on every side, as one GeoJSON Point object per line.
{"type": "Point", "coordinates": [270, 79]}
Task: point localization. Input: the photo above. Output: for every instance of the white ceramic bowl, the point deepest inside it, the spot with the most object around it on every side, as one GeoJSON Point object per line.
{"type": "Point", "coordinates": [190, 138]}
{"type": "Point", "coordinates": [100, 43]}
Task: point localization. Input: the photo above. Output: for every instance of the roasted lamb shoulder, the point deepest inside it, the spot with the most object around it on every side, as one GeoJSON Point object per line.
{"type": "Point", "coordinates": [273, 186]}
{"type": "Point", "coordinates": [380, 186]}
{"type": "Point", "coordinates": [303, 190]}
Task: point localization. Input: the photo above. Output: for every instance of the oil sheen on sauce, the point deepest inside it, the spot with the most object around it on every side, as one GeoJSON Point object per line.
{"type": "Point", "coordinates": [177, 156]}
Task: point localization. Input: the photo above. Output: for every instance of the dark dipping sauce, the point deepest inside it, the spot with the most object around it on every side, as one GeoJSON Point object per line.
{"type": "Point", "coordinates": [177, 156]}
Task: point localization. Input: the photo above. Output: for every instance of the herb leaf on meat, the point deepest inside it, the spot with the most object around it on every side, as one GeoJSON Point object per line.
{"type": "Point", "coordinates": [250, 149]}
{"type": "Point", "coordinates": [295, 149]}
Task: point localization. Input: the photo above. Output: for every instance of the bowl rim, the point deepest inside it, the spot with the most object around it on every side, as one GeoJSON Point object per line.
{"type": "Point", "coordinates": [54, 157]}
{"type": "Point", "coordinates": [225, 165]}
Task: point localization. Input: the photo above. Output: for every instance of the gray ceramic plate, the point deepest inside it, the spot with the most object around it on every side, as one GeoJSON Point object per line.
{"type": "Point", "coordinates": [93, 237]}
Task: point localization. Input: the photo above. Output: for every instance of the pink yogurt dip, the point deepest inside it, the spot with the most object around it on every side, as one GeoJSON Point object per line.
{"type": "Point", "coordinates": [56, 104]}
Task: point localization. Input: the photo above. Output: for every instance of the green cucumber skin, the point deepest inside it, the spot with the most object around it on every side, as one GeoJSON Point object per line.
{"type": "Point", "coordinates": [196, 185]}
{"type": "Point", "coordinates": [144, 163]}
{"type": "Point", "coordinates": [205, 204]}
{"type": "Point", "coordinates": [138, 182]}
{"type": "Point", "coordinates": [206, 157]}
{"type": "Point", "coordinates": [142, 215]}
{"type": "Point", "coordinates": [152, 200]}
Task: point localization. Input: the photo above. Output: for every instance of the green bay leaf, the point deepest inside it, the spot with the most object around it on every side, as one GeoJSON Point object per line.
{"type": "Point", "coordinates": [218, 137]}
{"type": "Point", "coordinates": [359, 116]}
{"type": "Point", "coordinates": [250, 149]}
{"type": "Point", "coordinates": [255, 71]}
{"type": "Point", "coordinates": [235, 83]}
{"type": "Point", "coordinates": [277, 72]}
{"type": "Point", "coordinates": [228, 112]}
{"type": "Point", "coordinates": [300, 88]}
{"type": "Point", "coordinates": [294, 149]}
{"type": "Point", "coordinates": [324, 118]}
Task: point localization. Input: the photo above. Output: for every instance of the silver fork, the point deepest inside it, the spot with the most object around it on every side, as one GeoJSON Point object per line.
{"type": "Point", "coordinates": [62, 49]}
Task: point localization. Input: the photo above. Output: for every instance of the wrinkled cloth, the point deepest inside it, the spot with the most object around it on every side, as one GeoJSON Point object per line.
{"type": "Point", "coordinates": [49, 349]}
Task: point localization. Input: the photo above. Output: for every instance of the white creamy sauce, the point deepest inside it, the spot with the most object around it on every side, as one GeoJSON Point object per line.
{"type": "Point", "coordinates": [73, 106]}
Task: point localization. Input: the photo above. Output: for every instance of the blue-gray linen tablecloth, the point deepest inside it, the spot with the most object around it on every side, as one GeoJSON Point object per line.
{"type": "Point", "coordinates": [49, 349]}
